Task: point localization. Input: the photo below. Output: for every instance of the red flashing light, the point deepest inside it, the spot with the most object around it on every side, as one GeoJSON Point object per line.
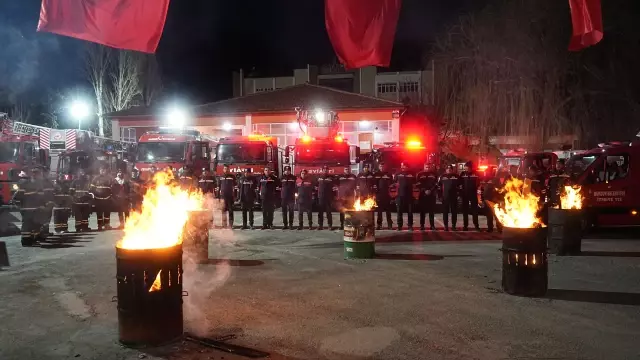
{"type": "Point", "coordinates": [305, 138]}
{"type": "Point", "coordinates": [483, 167]}
{"type": "Point", "coordinates": [338, 138]}
{"type": "Point", "coordinates": [414, 144]}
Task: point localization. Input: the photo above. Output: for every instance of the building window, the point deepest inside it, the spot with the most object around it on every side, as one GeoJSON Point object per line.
{"type": "Point", "coordinates": [409, 87]}
{"type": "Point", "coordinates": [385, 88]}
{"type": "Point", "coordinates": [128, 134]}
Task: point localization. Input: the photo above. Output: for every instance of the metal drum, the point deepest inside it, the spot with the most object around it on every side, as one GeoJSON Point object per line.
{"type": "Point", "coordinates": [524, 261]}
{"type": "Point", "coordinates": [565, 231]}
{"type": "Point", "coordinates": [359, 235]}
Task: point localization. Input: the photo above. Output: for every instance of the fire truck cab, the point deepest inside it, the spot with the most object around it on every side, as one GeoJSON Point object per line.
{"type": "Point", "coordinates": [70, 162]}
{"type": "Point", "coordinates": [312, 154]}
{"type": "Point", "coordinates": [17, 153]}
{"type": "Point", "coordinates": [255, 152]}
{"type": "Point", "coordinates": [173, 147]}
{"type": "Point", "coordinates": [609, 184]}
{"type": "Point", "coordinates": [520, 160]}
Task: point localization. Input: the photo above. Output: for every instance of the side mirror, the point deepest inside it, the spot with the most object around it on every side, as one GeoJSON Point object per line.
{"type": "Point", "coordinates": [287, 151]}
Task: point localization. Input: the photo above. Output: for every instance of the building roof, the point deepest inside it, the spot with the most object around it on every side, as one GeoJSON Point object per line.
{"type": "Point", "coordinates": [282, 100]}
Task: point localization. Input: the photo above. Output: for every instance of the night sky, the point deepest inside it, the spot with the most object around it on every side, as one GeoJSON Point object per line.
{"type": "Point", "coordinates": [205, 40]}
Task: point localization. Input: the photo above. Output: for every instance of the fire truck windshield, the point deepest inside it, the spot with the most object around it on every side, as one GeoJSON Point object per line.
{"type": "Point", "coordinates": [578, 164]}
{"type": "Point", "coordinates": [161, 151]}
{"type": "Point", "coordinates": [8, 151]}
{"type": "Point", "coordinates": [242, 153]}
{"type": "Point", "coordinates": [337, 154]}
{"type": "Point", "coordinates": [71, 163]}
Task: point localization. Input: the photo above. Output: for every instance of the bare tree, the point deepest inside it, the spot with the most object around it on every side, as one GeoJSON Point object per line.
{"type": "Point", "coordinates": [97, 63]}
{"type": "Point", "coordinates": [116, 77]}
{"type": "Point", "coordinates": [151, 79]}
{"type": "Point", "coordinates": [20, 112]}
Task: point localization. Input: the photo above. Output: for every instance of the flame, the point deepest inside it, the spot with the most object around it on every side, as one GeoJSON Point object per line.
{"type": "Point", "coordinates": [157, 283]}
{"type": "Point", "coordinates": [520, 207]}
{"type": "Point", "coordinates": [165, 211]}
{"type": "Point", "coordinates": [367, 205]}
{"type": "Point", "coordinates": [571, 198]}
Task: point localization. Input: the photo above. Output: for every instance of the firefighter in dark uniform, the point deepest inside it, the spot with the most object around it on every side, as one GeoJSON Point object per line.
{"type": "Point", "coordinates": [29, 196]}
{"type": "Point", "coordinates": [304, 192]}
{"type": "Point", "coordinates": [557, 180]}
{"type": "Point", "coordinates": [138, 189]}
{"type": "Point", "coordinates": [535, 180]}
{"type": "Point", "coordinates": [121, 190]}
{"type": "Point", "coordinates": [427, 181]}
{"type": "Point", "coordinates": [326, 185]}
{"type": "Point", "coordinates": [227, 183]}
{"type": "Point", "coordinates": [62, 209]}
{"type": "Point", "coordinates": [268, 185]}
{"type": "Point", "coordinates": [382, 180]}
{"type": "Point", "coordinates": [346, 192]}
{"type": "Point", "coordinates": [469, 190]}
{"type": "Point", "coordinates": [491, 195]}
{"type": "Point", "coordinates": [186, 179]}
{"type": "Point", "coordinates": [404, 200]}
{"type": "Point", "coordinates": [448, 184]}
{"type": "Point", "coordinates": [288, 195]}
{"type": "Point", "coordinates": [207, 182]}
{"type": "Point", "coordinates": [48, 195]}
{"type": "Point", "coordinates": [365, 183]}
{"type": "Point", "coordinates": [101, 188]}
{"type": "Point", "coordinates": [248, 186]}
{"type": "Point", "coordinates": [81, 201]}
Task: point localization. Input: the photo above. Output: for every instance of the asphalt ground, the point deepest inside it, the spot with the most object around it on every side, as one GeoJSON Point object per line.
{"type": "Point", "coordinates": [431, 295]}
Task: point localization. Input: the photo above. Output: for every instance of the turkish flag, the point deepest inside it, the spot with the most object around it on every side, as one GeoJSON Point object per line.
{"type": "Point", "coordinates": [586, 16]}
{"type": "Point", "coordinates": [123, 24]}
{"type": "Point", "coordinates": [362, 31]}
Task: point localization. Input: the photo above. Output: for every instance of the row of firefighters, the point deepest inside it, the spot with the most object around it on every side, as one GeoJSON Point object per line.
{"type": "Point", "coordinates": [42, 200]}
{"type": "Point", "coordinates": [466, 190]}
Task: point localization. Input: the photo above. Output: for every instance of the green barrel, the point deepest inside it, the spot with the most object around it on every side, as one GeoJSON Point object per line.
{"type": "Point", "coordinates": [565, 231]}
{"type": "Point", "coordinates": [359, 235]}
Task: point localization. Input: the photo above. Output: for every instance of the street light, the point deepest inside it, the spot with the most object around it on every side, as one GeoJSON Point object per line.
{"type": "Point", "coordinates": [79, 110]}
{"type": "Point", "coordinates": [226, 126]}
{"type": "Point", "coordinates": [177, 117]}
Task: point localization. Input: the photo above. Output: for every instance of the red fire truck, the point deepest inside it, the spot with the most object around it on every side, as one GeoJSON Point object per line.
{"type": "Point", "coordinates": [312, 154]}
{"type": "Point", "coordinates": [611, 191]}
{"type": "Point", "coordinates": [17, 153]}
{"type": "Point", "coordinates": [521, 160]}
{"type": "Point", "coordinates": [254, 152]}
{"type": "Point", "coordinates": [175, 148]}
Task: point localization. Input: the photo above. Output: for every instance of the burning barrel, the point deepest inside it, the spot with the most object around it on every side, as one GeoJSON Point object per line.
{"type": "Point", "coordinates": [359, 235]}
{"type": "Point", "coordinates": [149, 295]}
{"type": "Point", "coordinates": [565, 223]}
{"type": "Point", "coordinates": [524, 261]}
{"type": "Point", "coordinates": [196, 236]}
{"type": "Point", "coordinates": [565, 231]}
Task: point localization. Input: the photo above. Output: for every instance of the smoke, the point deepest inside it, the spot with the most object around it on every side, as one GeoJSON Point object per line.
{"type": "Point", "coordinates": [20, 60]}
{"type": "Point", "coordinates": [202, 280]}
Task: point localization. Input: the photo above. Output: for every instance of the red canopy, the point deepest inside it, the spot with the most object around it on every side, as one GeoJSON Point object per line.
{"type": "Point", "coordinates": [586, 16]}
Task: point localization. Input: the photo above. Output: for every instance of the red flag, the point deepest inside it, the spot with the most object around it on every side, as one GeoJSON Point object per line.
{"type": "Point", "coordinates": [362, 31]}
{"type": "Point", "coordinates": [123, 24]}
{"type": "Point", "coordinates": [586, 16]}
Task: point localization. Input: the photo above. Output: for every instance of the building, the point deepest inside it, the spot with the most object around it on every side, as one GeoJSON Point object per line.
{"type": "Point", "coordinates": [401, 86]}
{"type": "Point", "coordinates": [365, 120]}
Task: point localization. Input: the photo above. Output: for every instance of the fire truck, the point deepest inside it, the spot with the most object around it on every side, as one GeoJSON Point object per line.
{"type": "Point", "coordinates": [18, 152]}
{"type": "Point", "coordinates": [611, 191]}
{"type": "Point", "coordinates": [255, 152]}
{"type": "Point", "coordinates": [320, 145]}
{"type": "Point", "coordinates": [520, 160]}
{"type": "Point", "coordinates": [176, 148]}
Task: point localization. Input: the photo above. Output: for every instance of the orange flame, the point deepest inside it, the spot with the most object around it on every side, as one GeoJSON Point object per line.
{"type": "Point", "coordinates": [520, 207]}
{"type": "Point", "coordinates": [165, 211]}
{"type": "Point", "coordinates": [157, 283]}
{"type": "Point", "coordinates": [571, 198]}
{"type": "Point", "coordinates": [367, 205]}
